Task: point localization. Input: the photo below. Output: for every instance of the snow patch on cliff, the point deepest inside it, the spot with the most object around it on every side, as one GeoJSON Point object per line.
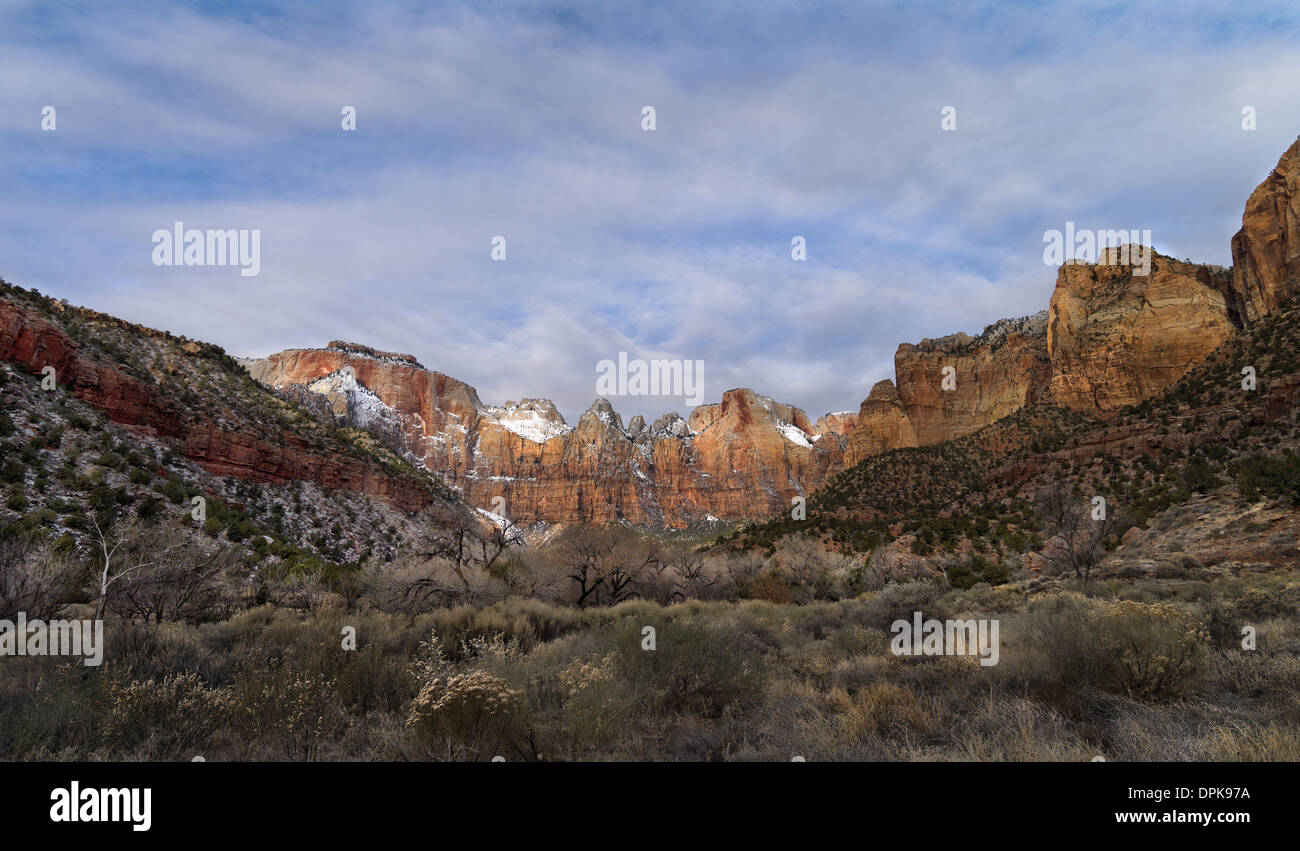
{"type": "Point", "coordinates": [527, 421]}
{"type": "Point", "coordinates": [794, 434]}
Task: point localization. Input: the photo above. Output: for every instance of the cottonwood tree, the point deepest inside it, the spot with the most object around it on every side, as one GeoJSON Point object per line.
{"type": "Point", "coordinates": [465, 541]}
{"type": "Point", "coordinates": [743, 569]}
{"type": "Point", "coordinates": [688, 569]}
{"type": "Point", "coordinates": [34, 579]}
{"type": "Point", "coordinates": [122, 554]}
{"type": "Point", "coordinates": [182, 584]}
{"type": "Point", "coordinates": [607, 565]}
{"type": "Point", "coordinates": [587, 553]}
{"type": "Point", "coordinates": [1082, 535]}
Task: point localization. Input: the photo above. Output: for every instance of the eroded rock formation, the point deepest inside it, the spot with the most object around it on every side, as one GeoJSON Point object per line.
{"type": "Point", "coordinates": [1266, 251]}
{"type": "Point", "coordinates": [745, 456]}
{"type": "Point", "coordinates": [994, 374]}
{"type": "Point", "coordinates": [1116, 338]}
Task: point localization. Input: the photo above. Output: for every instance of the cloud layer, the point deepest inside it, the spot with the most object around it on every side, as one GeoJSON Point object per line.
{"type": "Point", "coordinates": [807, 118]}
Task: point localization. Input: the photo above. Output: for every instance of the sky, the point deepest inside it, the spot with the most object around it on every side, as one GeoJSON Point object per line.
{"type": "Point", "coordinates": [773, 120]}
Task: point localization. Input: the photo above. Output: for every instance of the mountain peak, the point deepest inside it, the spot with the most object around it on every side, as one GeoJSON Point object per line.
{"type": "Point", "coordinates": [367, 351]}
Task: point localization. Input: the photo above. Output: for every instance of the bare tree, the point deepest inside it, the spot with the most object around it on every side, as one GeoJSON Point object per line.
{"type": "Point", "coordinates": [1081, 527]}
{"type": "Point", "coordinates": [33, 579]}
{"type": "Point", "coordinates": [587, 553]}
{"type": "Point", "coordinates": [688, 569]}
{"type": "Point", "coordinates": [629, 565]}
{"type": "Point", "coordinates": [183, 585]}
{"type": "Point", "coordinates": [608, 565]}
{"type": "Point", "coordinates": [743, 569]}
{"type": "Point", "coordinates": [119, 564]}
{"type": "Point", "coordinates": [465, 541]}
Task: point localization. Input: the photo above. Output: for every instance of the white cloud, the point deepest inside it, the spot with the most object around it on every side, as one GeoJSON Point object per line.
{"type": "Point", "coordinates": [674, 243]}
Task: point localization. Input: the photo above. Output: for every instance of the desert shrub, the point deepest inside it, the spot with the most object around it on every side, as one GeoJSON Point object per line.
{"type": "Point", "coordinates": [150, 652]}
{"type": "Point", "coordinates": [1147, 651]}
{"type": "Point", "coordinates": [697, 666]}
{"type": "Point", "coordinates": [983, 597]}
{"type": "Point", "coordinates": [1261, 602]}
{"type": "Point", "coordinates": [1159, 648]}
{"type": "Point", "coordinates": [171, 718]}
{"type": "Point", "coordinates": [468, 715]}
{"type": "Point", "coordinates": [771, 586]}
{"type": "Point", "coordinates": [996, 572]}
{"type": "Point", "coordinates": [1265, 476]}
{"type": "Point", "coordinates": [525, 622]}
{"type": "Point", "coordinates": [1225, 613]}
{"type": "Point", "coordinates": [283, 708]}
{"type": "Point", "coordinates": [593, 706]}
{"type": "Point", "coordinates": [174, 489]}
{"type": "Point", "coordinates": [1272, 741]}
{"type": "Point", "coordinates": [881, 707]}
{"type": "Point", "coordinates": [899, 601]}
{"type": "Point", "coordinates": [111, 460]}
{"type": "Point", "coordinates": [1198, 476]}
{"type": "Point", "coordinates": [50, 712]}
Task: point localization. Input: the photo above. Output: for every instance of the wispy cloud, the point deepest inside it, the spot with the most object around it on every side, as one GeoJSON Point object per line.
{"type": "Point", "coordinates": [774, 120]}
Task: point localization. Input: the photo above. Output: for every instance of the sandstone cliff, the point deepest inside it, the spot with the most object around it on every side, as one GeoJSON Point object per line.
{"type": "Point", "coordinates": [743, 457]}
{"type": "Point", "coordinates": [34, 342]}
{"type": "Point", "coordinates": [882, 424]}
{"type": "Point", "coordinates": [994, 374]}
{"type": "Point", "coordinates": [235, 446]}
{"type": "Point", "coordinates": [1266, 251]}
{"type": "Point", "coordinates": [1116, 338]}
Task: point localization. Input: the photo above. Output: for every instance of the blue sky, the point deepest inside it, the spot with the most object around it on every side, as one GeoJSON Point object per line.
{"type": "Point", "coordinates": [774, 119]}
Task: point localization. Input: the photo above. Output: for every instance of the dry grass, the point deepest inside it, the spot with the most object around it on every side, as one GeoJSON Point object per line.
{"type": "Point", "coordinates": [1079, 676]}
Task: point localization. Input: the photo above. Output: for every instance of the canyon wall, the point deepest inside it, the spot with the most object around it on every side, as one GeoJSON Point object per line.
{"type": "Point", "coordinates": [1116, 338]}
{"type": "Point", "coordinates": [745, 456]}
{"type": "Point", "coordinates": [1266, 251]}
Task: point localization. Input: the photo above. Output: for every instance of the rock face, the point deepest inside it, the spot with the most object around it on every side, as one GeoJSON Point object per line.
{"type": "Point", "coordinates": [756, 455]}
{"type": "Point", "coordinates": [1116, 338]}
{"type": "Point", "coordinates": [994, 374]}
{"type": "Point", "coordinates": [743, 457]}
{"type": "Point", "coordinates": [1266, 251]}
{"type": "Point", "coordinates": [1110, 338]}
{"type": "Point", "coordinates": [838, 423]}
{"type": "Point", "coordinates": [33, 342]}
{"type": "Point", "coordinates": [882, 424]}
{"type": "Point", "coordinates": [244, 450]}
{"type": "Point", "coordinates": [225, 452]}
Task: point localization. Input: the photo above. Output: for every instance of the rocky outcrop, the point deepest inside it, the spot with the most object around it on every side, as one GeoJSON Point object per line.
{"type": "Point", "coordinates": [743, 457]}
{"type": "Point", "coordinates": [1116, 338]}
{"type": "Point", "coordinates": [34, 342]}
{"type": "Point", "coordinates": [1266, 251]}
{"type": "Point", "coordinates": [289, 458]}
{"type": "Point", "coordinates": [838, 423]}
{"type": "Point", "coordinates": [992, 375]}
{"type": "Point", "coordinates": [757, 454]}
{"type": "Point", "coordinates": [882, 425]}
